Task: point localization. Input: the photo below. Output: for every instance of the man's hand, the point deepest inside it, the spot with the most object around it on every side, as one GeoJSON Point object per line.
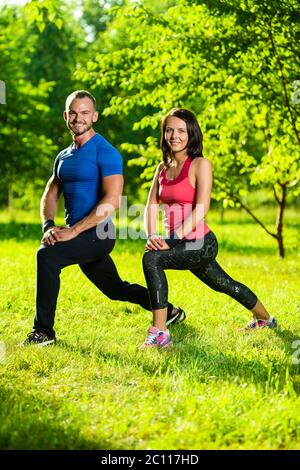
{"type": "Point", "coordinates": [58, 234]}
{"type": "Point", "coordinates": [48, 237]}
{"type": "Point", "coordinates": [156, 242]}
{"type": "Point", "coordinates": [64, 234]}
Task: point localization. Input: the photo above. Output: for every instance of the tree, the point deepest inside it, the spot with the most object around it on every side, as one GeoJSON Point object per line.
{"type": "Point", "coordinates": [40, 45]}
{"type": "Point", "coordinates": [59, 46]}
{"type": "Point", "coordinates": [233, 63]}
{"type": "Point", "coordinates": [20, 130]}
{"type": "Point", "coordinates": [97, 14]}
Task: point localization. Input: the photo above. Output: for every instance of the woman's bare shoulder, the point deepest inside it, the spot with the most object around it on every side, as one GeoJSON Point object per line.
{"type": "Point", "coordinates": [202, 164]}
{"type": "Point", "coordinates": [204, 161]}
{"type": "Point", "coordinates": [159, 167]}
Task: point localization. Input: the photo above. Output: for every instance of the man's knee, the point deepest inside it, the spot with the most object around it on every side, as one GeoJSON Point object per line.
{"type": "Point", "coordinates": [114, 295]}
{"type": "Point", "coordinates": [121, 291]}
{"type": "Point", "coordinates": [45, 254]}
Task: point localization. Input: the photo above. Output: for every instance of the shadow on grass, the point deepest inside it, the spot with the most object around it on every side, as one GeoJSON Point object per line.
{"type": "Point", "coordinates": [23, 232]}
{"type": "Point", "coordinates": [20, 232]}
{"type": "Point", "coordinates": [132, 246]}
{"type": "Point", "coordinates": [46, 422]}
{"type": "Point", "coordinates": [187, 357]}
{"type": "Point", "coordinates": [240, 221]}
{"type": "Point", "coordinates": [292, 347]}
{"type": "Point", "coordinates": [32, 421]}
{"type": "Point", "coordinates": [229, 246]}
{"type": "Point", "coordinates": [224, 365]}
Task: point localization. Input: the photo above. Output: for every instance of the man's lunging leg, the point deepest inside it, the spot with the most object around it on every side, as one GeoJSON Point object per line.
{"type": "Point", "coordinates": [103, 273]}
{"type": "Point", "coordinates": [51, 259]}
{"type": "Point", "coordinates": [48, 283]}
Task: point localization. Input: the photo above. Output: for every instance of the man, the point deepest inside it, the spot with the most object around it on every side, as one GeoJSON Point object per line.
{"type": "Point", "coordinates": [89, 174]}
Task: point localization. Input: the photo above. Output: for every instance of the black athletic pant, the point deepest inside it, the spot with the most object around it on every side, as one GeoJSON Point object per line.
{"type": "Point", "coordinates": [198, 257]}
{"type": "Point", "coordinates": [92, 255]}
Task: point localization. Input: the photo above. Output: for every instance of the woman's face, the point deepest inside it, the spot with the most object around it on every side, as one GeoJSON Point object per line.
{"type": "Point", "coordinates": [176, 134]}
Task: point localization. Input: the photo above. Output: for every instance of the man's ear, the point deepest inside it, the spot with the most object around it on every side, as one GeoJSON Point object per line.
{"type": "Point", "coordinates": [65, 115]}
{"type": "Point", "coordinates": [95, 116]}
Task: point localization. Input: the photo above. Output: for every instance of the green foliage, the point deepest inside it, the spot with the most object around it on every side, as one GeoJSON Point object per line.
{"type": "Point", "coordinates": [96, 14]}
{"type": "Point", "coordinates": [53, 59]}
{"type": "Point", "coordinates": [40, 12]}
{"type": "Point", "coordinates": [232, 63]}
{"type": "Point", "coordinates": [39, 47]}
{"type": "Point", "coordinates": [20, 118]}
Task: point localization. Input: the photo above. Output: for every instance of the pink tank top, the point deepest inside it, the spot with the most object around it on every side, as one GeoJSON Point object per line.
{"type": "Point", "coordinates": [178, 198]}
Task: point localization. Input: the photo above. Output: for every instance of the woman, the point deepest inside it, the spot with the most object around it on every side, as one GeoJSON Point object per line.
{"type": "Point", "coordinates": [182, 183]}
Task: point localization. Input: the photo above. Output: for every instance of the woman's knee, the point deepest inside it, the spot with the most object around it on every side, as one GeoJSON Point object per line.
{"type": "Point", "coordinates": [151, 259]}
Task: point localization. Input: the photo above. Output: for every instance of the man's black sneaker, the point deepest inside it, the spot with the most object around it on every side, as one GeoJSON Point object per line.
{"type": "Point", "coordinates": [38, 338]}
{"type": "Point", "coordinates": [176, 316]}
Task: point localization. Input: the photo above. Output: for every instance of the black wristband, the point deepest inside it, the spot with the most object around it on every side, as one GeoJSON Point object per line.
{"type": "Point", "coordinates": [47, 224]}
{"type": "Point", "coordinates": [173, 240]}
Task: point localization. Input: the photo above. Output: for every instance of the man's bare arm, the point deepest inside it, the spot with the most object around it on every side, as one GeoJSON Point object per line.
{"type": "Point", "coordinates": [50, 198]}
{"type": "Point", "coordinates": [48, 209]}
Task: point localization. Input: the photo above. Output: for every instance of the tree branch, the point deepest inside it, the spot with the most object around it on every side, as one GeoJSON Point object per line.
{"type": "Point", "coordinates": [276, 195]}
{"type": "Point", "coordinates": [249, 211]}
{"type": "Point", "coordinates": [283, 81]}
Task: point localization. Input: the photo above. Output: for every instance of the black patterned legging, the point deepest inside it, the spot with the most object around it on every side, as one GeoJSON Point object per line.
{"type": "Point", "coordinates": [199, 257]}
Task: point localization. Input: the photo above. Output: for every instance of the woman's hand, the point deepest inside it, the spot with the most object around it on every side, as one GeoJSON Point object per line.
{"type": "Point", "coordinates": [156, 242]}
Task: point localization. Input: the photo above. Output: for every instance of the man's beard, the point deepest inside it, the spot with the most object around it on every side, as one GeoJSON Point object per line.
{"type": "Point", "coordinates": [83, 130]}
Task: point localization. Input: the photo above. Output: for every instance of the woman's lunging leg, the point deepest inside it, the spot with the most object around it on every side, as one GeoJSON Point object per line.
{"type": "Point", "coordinates": [215, 277]}
{"type": "Point", "coordinates": [157, 287]}
{"type": "Point", "coordinates": [182, 257]}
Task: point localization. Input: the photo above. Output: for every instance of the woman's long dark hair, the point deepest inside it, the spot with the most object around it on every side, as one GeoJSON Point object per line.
{"type": "Point", "coordinates": [195, 142]}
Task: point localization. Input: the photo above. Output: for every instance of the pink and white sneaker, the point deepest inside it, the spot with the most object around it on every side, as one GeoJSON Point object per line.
{"type": "Point", "coordinates": [157, 338]}
{"type": "Point", "coordinates": [257, 324]}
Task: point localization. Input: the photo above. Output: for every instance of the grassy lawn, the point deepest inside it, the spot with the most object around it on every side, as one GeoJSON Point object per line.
{"type": "Point", "coordinates": [216, 389]}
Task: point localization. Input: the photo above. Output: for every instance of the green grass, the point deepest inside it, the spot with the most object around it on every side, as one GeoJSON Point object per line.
{"type": "Point", "coordinates": [216, 389]}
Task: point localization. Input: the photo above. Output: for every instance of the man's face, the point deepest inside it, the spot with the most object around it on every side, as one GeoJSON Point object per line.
{"type": "Point", "coordinates": [80, 115]}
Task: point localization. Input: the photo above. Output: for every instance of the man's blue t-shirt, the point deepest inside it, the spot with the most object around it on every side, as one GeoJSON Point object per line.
{"type": "Point", "coordinates": [81, 171]}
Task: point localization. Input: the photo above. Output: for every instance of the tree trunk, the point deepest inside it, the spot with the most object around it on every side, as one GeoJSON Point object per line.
{"type": "Point", "coordinates": [10, 197]}
{"type": "Point", "coordinates": [279, 220]}
{"type": "Point", "coordinates": [222, 210]}
{"type": "Point", "coordinates": [281, 201]}
{"type": "Point", "coordinates": [280, 245]}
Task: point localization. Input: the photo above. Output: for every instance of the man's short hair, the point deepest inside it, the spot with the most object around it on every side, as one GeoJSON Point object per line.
{"type": "Point", "coordinates": [80, 94]}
